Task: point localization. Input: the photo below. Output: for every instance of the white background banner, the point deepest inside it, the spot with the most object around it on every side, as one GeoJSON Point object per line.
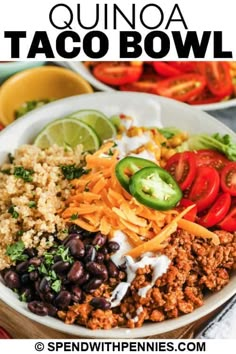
{"type": "Point", "coordinates": [83, 30]}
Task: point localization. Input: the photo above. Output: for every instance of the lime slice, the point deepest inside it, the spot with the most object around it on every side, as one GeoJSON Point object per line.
{"type": "Point", "coordinates": [68, 132]}
{"type": "Point", "coordinates": [98, 121]}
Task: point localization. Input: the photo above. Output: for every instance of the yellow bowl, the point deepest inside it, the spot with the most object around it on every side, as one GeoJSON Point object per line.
{"type": "Point", "coordinates": [49, 82]}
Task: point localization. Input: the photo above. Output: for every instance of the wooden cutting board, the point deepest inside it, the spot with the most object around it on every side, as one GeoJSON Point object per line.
{"type": "Point", "coordinates": [21, 327]}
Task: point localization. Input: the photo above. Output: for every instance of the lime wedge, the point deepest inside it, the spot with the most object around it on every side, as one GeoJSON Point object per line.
{"type": "Point", "coordinates": [98, 121]}
{"type": "Point", "coordinates": [68, 132]}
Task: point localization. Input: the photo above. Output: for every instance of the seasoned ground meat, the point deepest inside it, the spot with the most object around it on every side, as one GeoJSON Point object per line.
{"type": "Point", "coordinates": [197, 266]}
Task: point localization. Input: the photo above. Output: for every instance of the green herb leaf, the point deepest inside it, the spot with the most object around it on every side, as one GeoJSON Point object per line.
{"type": "Point", "coordinates": [22, 297]}
{"type": "Point", "coordinates": [31, 268]}
{"type": "Point", "coordinates": [6, 171]}
{"type": "Point", "coordinates": [43, 269]}
{"type": "Point", "coordinates": [110, 152]}
{"type": "Point", "coordinates": [71, 171]}
{"type": "Point", "coordinates": [97, 247]}
{"type": "Point", "coordinates": [74, 216]}
{"type": "Point", "coordinates": [169, 132]}
{"type": "Point", "coordinates": [56, 285]}
{"type": "Point", "coordinates": [19, 233]}
{"type": "Point", "coordinates": [64, 254]}
{"type": "Point", "coordinates": [21, 172]}
{"type": "Point", "coordinates": [32, 204]}
{"type": "Point", "coordinates": [15, 251]}
{"type": "Point", "coordinates": [11, 158]}
{"type": "Point", "coordinates": [13, 212]}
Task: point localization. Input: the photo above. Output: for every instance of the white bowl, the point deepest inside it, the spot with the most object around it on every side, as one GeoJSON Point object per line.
{"type": "Point", "coordinates": [81, 69]}
{"type": "Point", "coordinates": [145, 108]}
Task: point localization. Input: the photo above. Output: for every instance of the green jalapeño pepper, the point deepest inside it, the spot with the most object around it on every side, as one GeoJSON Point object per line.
{"type": "Point", "coordinates": [128, 166]}
{"type": "Point", "coordinates": [155, 188]}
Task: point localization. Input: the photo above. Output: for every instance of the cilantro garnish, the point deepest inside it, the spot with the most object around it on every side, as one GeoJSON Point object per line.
{"type": "Point", "coordinates": [74, 216]}
{"type": "Point", "coordinates": [21, 172]}
{"type": "Point", "coordinates": [19, 233]}
{"type": "Point", "coordinates": [32, 204]}
{"type": "Point", "coordinates": [23, 297]}
{"type": "Point", "coordinates": [31, 268]}
{"type": "Point", "coordinates": [11, 158]}
{"type": "Point", "coordinates": [7, 171]}
{"type": "Point", "coordinates": [13, 212]}
{"type": "Point", "coordinates": [64, 254]}
{"type": "Point", "coordinates": [72, 171]}
{"type": "Point", "coordinates": [56, 285]}
{"type": "Point", "coordinates": [97, 247]}
{"type": "Point", "coordinates": [43, 269]}
{"type": "Point", "coordinates": [15, 251]}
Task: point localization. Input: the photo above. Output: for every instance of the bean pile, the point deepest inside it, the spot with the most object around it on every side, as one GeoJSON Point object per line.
{"type": "Point", "coordinates": [65, 274]}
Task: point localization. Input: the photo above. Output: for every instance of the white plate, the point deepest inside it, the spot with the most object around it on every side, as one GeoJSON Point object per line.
{"type": "Point", "coordinates": [81, 69]}
{"type": "Point", "coordinates": [144, 107]}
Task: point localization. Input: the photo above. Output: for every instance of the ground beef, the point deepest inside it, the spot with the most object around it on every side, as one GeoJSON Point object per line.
{"type": "Point", "coordinates": [197, 267]}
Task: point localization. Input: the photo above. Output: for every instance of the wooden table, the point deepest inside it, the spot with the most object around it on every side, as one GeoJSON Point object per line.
{"type": "Point", "coordinates": [21, 327]}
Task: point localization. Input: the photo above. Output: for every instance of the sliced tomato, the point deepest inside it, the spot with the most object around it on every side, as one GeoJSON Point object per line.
{"type": "Point", "coordinates": [229, 222]}
{"type": "Point", "coordinates": [228, 178]}
{"type": "Point", "coordinates": [165, 69]}
{"type": "Point", "coordinates": [218, 78]}
{"type": "Point", "coordinates": [116, 73]}
{"type": "Point", "coordinates": [184, 66]}
{"type": "Point", "coordinates": [205, 187]}
{"type": "Point", "coordinates": [182, 166]}
{"type": "Point", "coordinates": [1, 127]}
{"type": "Point", "coordinates": [211, 158]}
{"type": "Point", "coordinates": [217, 212]}
{"type": "Point", "coordinates": [147, 83]}
{"type": "Point", "coordinates": [181, 88]}
{"type": "Point", "coordinates": [191, 215]}
{"type": "Point", "coordinates": [205, 97]}
{"type": "Point", "coordinates": [4, 334]}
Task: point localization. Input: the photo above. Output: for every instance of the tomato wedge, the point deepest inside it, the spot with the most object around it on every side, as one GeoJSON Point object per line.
{"type": "Point", "coordinates": [217, 212]}
{"type": "Point", "coordinates": [165, 69]}
{"type": "Point", "coordinates": [205, 97]}
{"type": "Point", "coordinates": [211, 158]}
{"type": "Point", "coordinates": [191, 215]}
{"type": "Point", "coordinates": [181, 88]}
{"type": "Point", "coordinates": [184, 66]}
{"type": "Point", "coordinates": [229, 222]}
{"type": "Point", "coordinates": [205, 187]}
{"type": "Point", "coordinates": [218, 78]}
{"type": "Point", "coordinates": [117, 74]}
{"type": "Point", "coordinates": [4, 334]}
{"type": "Point", "coordinates": [147, 83]}
{"type": "Point", "coordinates": [228, 178]}
{"type": "Point", "coordinates": [182, 166]}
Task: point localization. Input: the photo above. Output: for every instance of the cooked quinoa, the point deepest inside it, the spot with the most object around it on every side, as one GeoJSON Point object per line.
{"type": "Point", "coordinates": [29, 206]}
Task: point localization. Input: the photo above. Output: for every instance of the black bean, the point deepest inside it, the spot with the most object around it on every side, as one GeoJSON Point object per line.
{"type": "Point", "coordinates": [90, 253]}
{"type": "Point", "coordinates": [25, 279]}
{"type": "Point", "coordinates": [76, 248]}
{"type": "Point", "coordinates": [76, 294]}
{"type": "Point", "coordinates": [113, 246]}
{"type": "Point", "coordinates": [49, 297]}
{"type": "Point", "coordinates": [44, 285]}
{"type": "Point", "coordinates": [52, 310]}
{"type": "Point", "coordinates": [97, 269]}
{"type": "Point", "coordinates": [92, 285]}
{"type": "Point", "coordinates": [100, 257]}
{"type": "Point", "coordinates": [104, 250]}
{"type": "Point", "coordinates": [35, 261]}
{"type": "Point", "coordinates": [12, 280]}
{"type": "Point", "coordinates": [22, 267]}
{"type": "Point", "coordinates": [84, 279]}
{"type": "Point", "coordinates": [70, 237]}
{"type": "Point", "coordinates": [99, 240]}
{"type": "Point", "coordinates": [63, 299]}
{"type": "Point", "coordinates": [38, 308]}
{"type": "Point", "coordinates": [76, 272]}
{"type": "Point", "coordinates": [34, 275]}
{"type": "Point", "coordinates": [36, 285]}
{"type": "Point", "coordinates": [100, 303]}
{"type": "Point", "coordinates": [61, 267]}
{"type": "Point", "coordinates": [74, 229]}
{"type": "Point", "coordinates": [31, 252]}
{"type": "Point", "coordinates": [113, 270]}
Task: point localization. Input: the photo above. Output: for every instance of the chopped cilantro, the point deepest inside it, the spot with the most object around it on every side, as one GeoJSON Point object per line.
{"type": "Point", "coordinates": [114, 145]}
{"type": "Point", "coordinates": [43, 269]}
{"type": "Point", "coordinates": [56, 285]}
{"type": "Point", "coordinates": [49, 259]}
{"type": "Point", "coordinates": [65, 231]}
{"type": "Point", "coordinates": [7, 171]}
{"type": "Point", "coordinates": [23, 297]}
{"type": "Point", "coordinates": [13, 212]}
{"type": "Point", "coordinates": [71, 171]}
{"type": "Point", "coordinates": [86, 189]}
{"type": "Point", "coordinates": [64, 253]}
{"type": "Point", "coordinates": [11, 158]}
{"type": "Point", "coordinates": [110, 152]}
{"type": "Point", "coordinates": [21, 172]}
{"type": "Point", "coordinates": [15, 251]}
{"type": "Point", "coordinates": [97, 247]}
{"type": "Point", "coordinates": [19, 233]}
{"type": "Point", "coordinates": [32, 204]}
{"type": "Point", "coordinates": [31, 268]}
{"type": "Point", "coordinates": [52, 275]}
{"type": "Point", "coordinates": [74, 216]}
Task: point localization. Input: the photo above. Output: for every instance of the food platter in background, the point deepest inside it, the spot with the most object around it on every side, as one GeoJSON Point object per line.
{"type": "Point", "coordinates": [87, 74]}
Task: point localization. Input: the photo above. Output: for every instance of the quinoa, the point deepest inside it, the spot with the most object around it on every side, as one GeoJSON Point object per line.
{"type": "Point", "coordinates": [29, 208]}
